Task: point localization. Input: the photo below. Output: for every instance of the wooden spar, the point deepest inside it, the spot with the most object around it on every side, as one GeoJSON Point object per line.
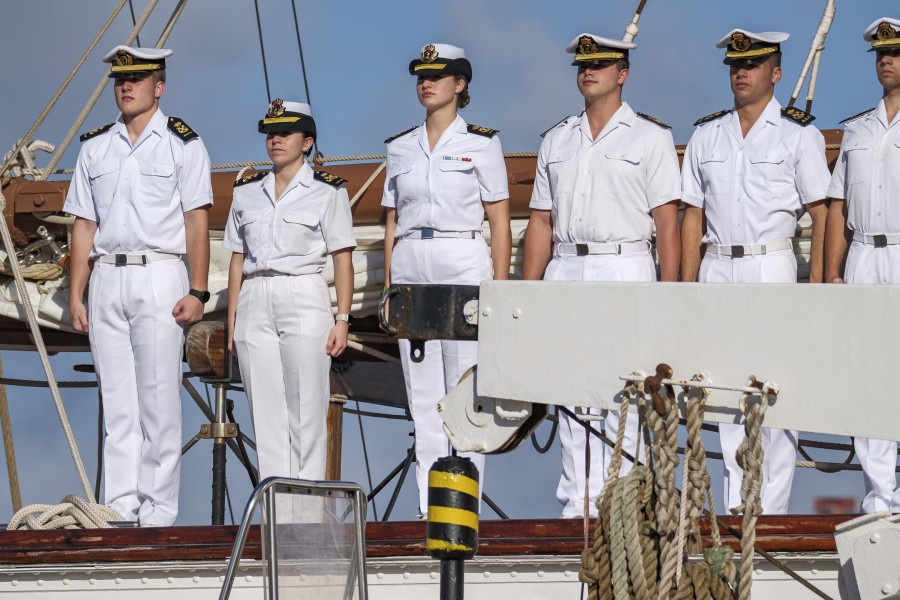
{"type": "Point", "coordinates": [631, 31]}
{"type": "Point", "coordinates": [9, 448]}
{"type": "Point", "coordinates": [783, 533]}
{"type": "Point", "coordinates": [814, 57]}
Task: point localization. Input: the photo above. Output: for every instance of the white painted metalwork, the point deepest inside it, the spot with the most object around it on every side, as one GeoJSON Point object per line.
{"type": "Point", "coordinates": [868, 547]}
{"type": "Point", "coordinates": [831, 349]}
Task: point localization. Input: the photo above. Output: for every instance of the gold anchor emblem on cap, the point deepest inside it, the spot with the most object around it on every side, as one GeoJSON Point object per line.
{"type": "Point", "coordinates": [587, 45]}
{"type": "Point", "coordinates": [429, 54]}
{"type": "Point", "coordinates": [740, 42]}
{"type": "Point", "coordinates": [123, 58]}
{"type": "Point", "coordinates": [277, 108]}
{"type": "Point", "coordinates": [885, 32]}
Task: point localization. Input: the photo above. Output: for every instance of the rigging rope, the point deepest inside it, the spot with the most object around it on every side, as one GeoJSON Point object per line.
{"type": "Point", "coordinates": [303, 69]}
{"type": "Point", "coordinates": [814, 57]}
{"type": "Point", "coordinates": [9, 448]}
{"type": "Point", "coordinates": [31, 131]}
{"type": "Point", "coordinates": [134, 21]}
{"type": "Point", "coordinates": [262, 50]}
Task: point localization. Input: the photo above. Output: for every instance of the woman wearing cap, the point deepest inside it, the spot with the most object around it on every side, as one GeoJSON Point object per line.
{"type": "Point", "coordinates": [281, 226]}
{"type": "Point", "coordinates": [442, 178]}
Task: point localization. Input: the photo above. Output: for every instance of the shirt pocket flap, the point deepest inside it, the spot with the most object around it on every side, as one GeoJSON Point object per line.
{"type": "Point", "coordinates": [398, 168]}
{"type": "Point", "coordinates": [772, 156]}
{"type": "Point", "coordinates": [564, 154]}
{"type": "Point", "coordinates": [302, 218]}
{"type": "Point", "coordinates": [627, 154]}
{"type": "Point", "coordinates": [103, 167]}
{"type": "Point", "coordinates": [456, 165]}
{"type": "Point", "coordinates": [714, 157]}
{"type": "Point", "coordinates": [157, 169]}
{"type": "Point", "coordinates": [245, 217]}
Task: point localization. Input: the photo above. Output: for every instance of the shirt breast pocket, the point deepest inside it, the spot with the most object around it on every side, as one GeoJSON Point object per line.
{"type": "Point", "coordinates": [561, 172]}
{"type": "Point", "coordinates": [248, 224]}
{"type": "Point", "coordinates": [622, 166]}
{"type": "Point", "coordinates": [157, 181]}
{"type": "Point", "coordinates": [895, 158]}
{"type": "Point", "coordinates": [715, 174]}
{"type": "Point", "coordinates": [400, 179]}
{"type": "Point", "coordinates": [104, 177]}
{"type": "Point", "coordinates": [458, 177]}
{"type": "Point", "coordinates": [301, 232]}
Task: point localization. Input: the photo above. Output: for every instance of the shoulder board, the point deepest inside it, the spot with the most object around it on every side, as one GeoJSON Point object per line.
{"type": "Point", "coordinates": [96, 132]}
{"type": "Point", "coordinates": [253, 177]}
{"type": "Point", "coordinates": [394, 137]}
{"type": "Point", "coordinates": [653, 120]}
{"type": "Point", "coordinates": [332, 180]}
{"type": "Point", "coordinates": [854, 117]}
{"type": "Point", "coordinates": [797, 116]}
{"type": "Point", "coordinates": [479, 130]}
{"type": "Point", "coordinates": [178, 127]}
{"type": "Point", "coordinates": [712, 117]}
{"type": "Point", "coordinates": [561, 122]}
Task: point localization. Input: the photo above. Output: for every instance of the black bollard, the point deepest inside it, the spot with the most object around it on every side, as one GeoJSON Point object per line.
{"type": "Point", "coordinates": [452, 520]}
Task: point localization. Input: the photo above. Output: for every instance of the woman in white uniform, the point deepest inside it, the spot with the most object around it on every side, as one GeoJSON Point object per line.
{"type": "Point", "coordinates": [442, 178]}
{"type": "Point", "coordinates": [281, 226]}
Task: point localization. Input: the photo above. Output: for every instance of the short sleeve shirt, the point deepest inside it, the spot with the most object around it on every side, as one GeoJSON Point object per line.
{"type": "Point", "coordinates": [291, 234]}
{"type": "Point", "coordinates": [603, 189]}
{"type": "Point", "coordinates": [867, 173]}
{"type": "Point", "coordinates": [444, 189]}
{"type": "Point", "coordinates": [138, 194]}
{"type": "Point", "coordinates": [753, 189]}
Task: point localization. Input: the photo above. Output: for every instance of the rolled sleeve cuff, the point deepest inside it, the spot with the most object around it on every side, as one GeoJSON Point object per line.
{"type": "Point", "coordinates": [340, 245]}
{"type": "Point", "coordinates": [234, 247]}
{"type": "Point", "coordinates": [496, 196]}
{"type": "Point", "coordinates": [84, 213]}
{"type": "Point", "coordinates": [815, 196]}
{"type": "Point", "coordinates": [197, 203]}
{"type": "Point", "coordinates": [834, 192]}
{"type": "Point", "coordinates": [540, 204]}
{"type": "Point", "coordinates": [664, 199]}
{"type": "Point", "coordinates": [693, 201]}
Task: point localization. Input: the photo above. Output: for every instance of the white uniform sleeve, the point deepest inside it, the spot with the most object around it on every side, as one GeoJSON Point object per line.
{"type": "Point", "coordinates": [337, 222]}
{"type": "Point", "coordinates": [837, 188]}
{"type": "Point", "coordinates": [541, 198]}
{"type": "Point", "coordinates": [232, 239]}
{"type": "Point", "coordinates": [663, 182]}
{"type": "Point", "coordinates": [491, 171]}
{"type": "Point", "coordinates": [195, 184]}
{"type": "Point", "coordinates": [812, 167]}
{"type": "Point", "coordinates": [389, 197]}
{"type": "Point", "coordinates": [80, 199]}
{"type": "Point", "coordinates": [691, 185]}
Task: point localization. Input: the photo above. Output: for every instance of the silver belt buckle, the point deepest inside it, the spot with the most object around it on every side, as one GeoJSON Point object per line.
{"type": "Point", "coordinates": [427, 233]}
{"type": "Point", "coordinates": [880, 240]}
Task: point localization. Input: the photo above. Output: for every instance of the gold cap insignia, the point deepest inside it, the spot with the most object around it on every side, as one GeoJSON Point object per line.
{"type": "Point", "coordinates": [277, 108]}
{"type": "Point", "coordinates": [429, 54]}
{"type": "Point", "coordinates": [587, 45]}
{"type": "Point", "coordinates": [123, 58]}
{"type": "Point", "coordinates": [885, 32]}
{"type": "Point", "coordinates": [739, 42]}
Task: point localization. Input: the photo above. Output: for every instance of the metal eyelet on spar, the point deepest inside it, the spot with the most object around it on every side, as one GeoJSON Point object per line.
{"type": "Point", "coordinates": [452, 520]}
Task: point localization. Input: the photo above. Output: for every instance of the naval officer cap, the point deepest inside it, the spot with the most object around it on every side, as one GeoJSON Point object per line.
{"type": "Point", "coordinates": [745, 47]}
{"type": "Point", "coordinates": [590, 49]}
{"type": "Point", "coordinates": [284, 117]}
{"type": "Point", "coordinates": [129, 60]}
{"type": "Point", "coordinates": [883, 33]}
{"type": "Point", "coordinates": [441, 59]}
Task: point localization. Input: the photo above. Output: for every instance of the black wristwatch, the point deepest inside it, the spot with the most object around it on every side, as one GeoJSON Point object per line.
{"type": "Point", "coordinates": [201, 296]}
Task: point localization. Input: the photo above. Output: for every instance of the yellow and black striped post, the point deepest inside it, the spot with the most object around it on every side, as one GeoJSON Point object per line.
{"type": "Point", "coordinates": [452, 520]}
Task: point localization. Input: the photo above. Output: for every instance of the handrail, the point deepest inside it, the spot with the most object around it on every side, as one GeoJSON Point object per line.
{"type": "Point", "coordinates": [268, 487]}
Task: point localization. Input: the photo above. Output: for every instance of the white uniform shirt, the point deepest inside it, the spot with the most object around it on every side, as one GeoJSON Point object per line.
{"type": "Point", "coordinates": [443, 189]}
{"type": "Point", "coordinates": [138, 195]}
{"type": "Point", "coordinates": [293, 233]}
{"type": "Point", "coordinates": [602, 190]}
{"type": "Point", "coordinates": [867, 173]}
{"type": "Point", "coordinates": [753, 188]}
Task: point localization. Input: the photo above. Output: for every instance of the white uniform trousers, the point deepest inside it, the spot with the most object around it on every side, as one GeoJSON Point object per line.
{"type": "Point", "coordinates": [280, 333]}
{"type": "Point", "coordinates": [630, 266]}
{"type": "Point", "coordinates": [868, 264]}
{"type": "Point", "coordinates": [439, 261]}
{"type": "Point", "coordinates": [137, 349]}
{"type": "Point", "coordinates": [779, 445]}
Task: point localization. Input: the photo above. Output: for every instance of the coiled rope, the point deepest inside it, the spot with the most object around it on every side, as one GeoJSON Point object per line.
{"type": "Point", "coordinates": [72, 513]}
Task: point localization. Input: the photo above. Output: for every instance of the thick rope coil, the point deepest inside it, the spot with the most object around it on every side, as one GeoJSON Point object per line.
{"type": "Point", "coordinates": [25, 158]}
{"type": "Point", "coordinates": [73, 512]}
{"type": "Point", "coordinates": [35, 272]}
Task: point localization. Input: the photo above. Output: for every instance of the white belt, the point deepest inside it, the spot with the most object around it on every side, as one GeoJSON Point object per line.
{"type": "Point", "coordinates": [590, 248]}
{"type": "Point", "coordinates": [427, 233]}
{"type": "Point", "coordinates": [121, 260]}
{"type": "Point", "coordinates": [879, 240]}
{"type": "Point", "coordinates": [749, 250]}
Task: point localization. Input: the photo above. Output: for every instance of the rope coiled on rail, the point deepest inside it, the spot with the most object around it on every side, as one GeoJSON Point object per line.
{"type": "Point", "coordinates": [73, 512]}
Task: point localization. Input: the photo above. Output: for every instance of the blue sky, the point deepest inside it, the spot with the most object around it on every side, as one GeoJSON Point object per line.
{"type": "Point", "coordinates": [356, 54]}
